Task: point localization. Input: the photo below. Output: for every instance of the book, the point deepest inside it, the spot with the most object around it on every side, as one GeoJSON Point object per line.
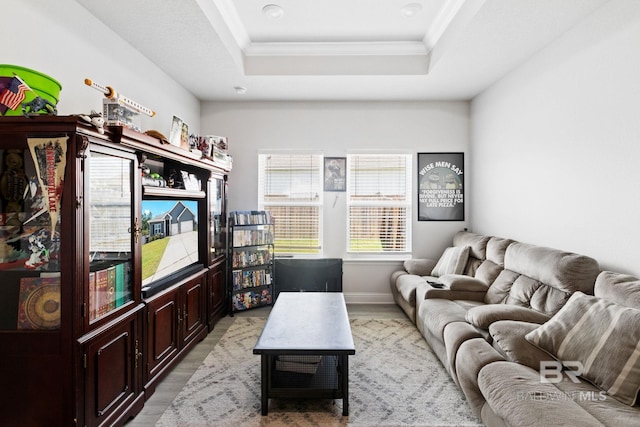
{"type": "Point", "coordinates": [102, 292]}
{"type": "Point", "coordinates": [92, 296]}
{"type": "Point", "coordinates": [39, 303]}
{"type": "Point", "coordinates": [120, 284]}
{"type": "Point", "coordinates": [111, 289]}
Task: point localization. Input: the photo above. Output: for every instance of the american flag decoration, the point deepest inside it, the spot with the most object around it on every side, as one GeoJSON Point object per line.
{"type": "Point", "coordinates": [14, 94]}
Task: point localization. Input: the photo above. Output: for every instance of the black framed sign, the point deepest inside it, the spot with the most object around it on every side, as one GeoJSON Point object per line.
{"type": "Point", "coordinates": [335, 174]}
{"type": "Point", "coordinates": [440, 186]}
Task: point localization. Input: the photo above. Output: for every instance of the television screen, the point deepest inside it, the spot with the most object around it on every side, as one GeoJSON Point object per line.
{"type": "Point", "coordinates": [170, 237]}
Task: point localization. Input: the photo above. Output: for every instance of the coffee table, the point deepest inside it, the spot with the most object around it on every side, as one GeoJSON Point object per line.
{"type": "Point", "coordinates": [305, 347]}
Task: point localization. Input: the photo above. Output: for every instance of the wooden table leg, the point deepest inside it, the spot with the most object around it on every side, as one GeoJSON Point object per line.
{"type": "Point", "coordinates": [265, 383]}
{"type": "Point", "coordinates": [345, 384]}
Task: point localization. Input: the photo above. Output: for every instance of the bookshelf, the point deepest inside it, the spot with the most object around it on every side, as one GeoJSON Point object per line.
{"type": "Point", "coordinates": [251, 255]}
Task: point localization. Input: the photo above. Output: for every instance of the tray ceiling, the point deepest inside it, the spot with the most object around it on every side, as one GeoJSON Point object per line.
{"type": "Point", "coordinates": [339, 49]}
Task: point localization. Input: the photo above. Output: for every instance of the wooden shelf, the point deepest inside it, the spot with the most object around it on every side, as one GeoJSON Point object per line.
{"type": "Point", "coordinates": [172, 192]}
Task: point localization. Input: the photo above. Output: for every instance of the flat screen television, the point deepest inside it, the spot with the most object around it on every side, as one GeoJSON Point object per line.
{"type": "Point", "coordinates": [169, 239]}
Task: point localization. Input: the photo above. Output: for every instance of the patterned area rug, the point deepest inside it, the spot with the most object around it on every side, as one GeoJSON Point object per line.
{"type": "Point", "coordinates": [394, 380]}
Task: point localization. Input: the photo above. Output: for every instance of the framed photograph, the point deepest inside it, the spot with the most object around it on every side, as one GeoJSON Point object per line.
{"type": "Point", "coordinates": [190, 181]}
{"type": "Point", "coordinates": [184, 136]}
{"type": "Point", "coordinates": [440, 186]}
{"type": "Point", "coordinates": [176, 131]}
{"type": "Point", "coordinates": [335, 174]}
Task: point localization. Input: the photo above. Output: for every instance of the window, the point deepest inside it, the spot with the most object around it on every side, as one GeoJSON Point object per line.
{"type": "Point", "coordinates": [290, 187]}
{"type": "Point", "coordinates": [379, 203]}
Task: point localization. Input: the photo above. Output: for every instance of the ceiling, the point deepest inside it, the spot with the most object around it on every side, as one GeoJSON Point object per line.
{"type": "Point", "coordinates": [339, 49]}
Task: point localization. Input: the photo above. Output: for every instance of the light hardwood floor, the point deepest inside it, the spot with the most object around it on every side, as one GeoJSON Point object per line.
{"type": "Point", "coordinates": [171, 385]}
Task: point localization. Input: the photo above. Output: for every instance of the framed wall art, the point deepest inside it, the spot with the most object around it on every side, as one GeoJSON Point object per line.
{"type": "Point", "coordinates": [335, 174]}
{"type": "Point", "coordinates": [440, 186]}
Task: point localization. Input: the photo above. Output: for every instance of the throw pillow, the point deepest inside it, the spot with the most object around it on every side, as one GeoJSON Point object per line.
{"type": "Point", "coordinates": [603, 336]}
{"type": "Point", "coordinates": [452, 261]}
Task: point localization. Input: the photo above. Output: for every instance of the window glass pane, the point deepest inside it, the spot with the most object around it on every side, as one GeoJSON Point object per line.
{"type": "Point", "coordinates": [110, 223]}
{"type": "Point", "coordinates": [378, 177]}
{"type": "Point", "coordinates": [377, 229]}
{"type": "Point", "coordinates": [379, 203]}
{"type": "Point", "coordinates": [296, 228]}
{"type": "Point", "coordinates": [290, 187]}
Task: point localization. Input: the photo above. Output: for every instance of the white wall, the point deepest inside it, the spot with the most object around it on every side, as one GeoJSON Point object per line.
{"type": "Point", "coordinates": [556, 145]}
{"type": "Point", "coordinates": [61, 39]}
{"type": "Point", "coordinates": [334, 128]}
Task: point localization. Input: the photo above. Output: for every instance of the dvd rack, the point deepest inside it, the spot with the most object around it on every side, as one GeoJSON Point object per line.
{"type": "Point", "coordinates": [251, 256]}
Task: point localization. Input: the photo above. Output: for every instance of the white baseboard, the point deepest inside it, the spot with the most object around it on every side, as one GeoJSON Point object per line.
{"type": "Point", "coordinates": [368, 298]}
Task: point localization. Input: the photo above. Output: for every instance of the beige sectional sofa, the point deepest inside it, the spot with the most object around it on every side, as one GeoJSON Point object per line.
{"type": "Point", "coordinates": [496, 324]}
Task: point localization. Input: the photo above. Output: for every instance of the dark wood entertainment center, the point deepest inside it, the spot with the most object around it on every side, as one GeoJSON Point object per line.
{"type": "Point", "coordinates": [84, 341]}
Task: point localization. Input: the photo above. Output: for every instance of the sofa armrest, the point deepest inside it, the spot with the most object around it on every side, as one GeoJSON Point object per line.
{"type": "Point", "coordinates": [461, 282]}
{"type": "Point", "coordinates": [472, 356]}
{"type": "Point", "coordinates": [419, 267]}
{"type": "Point", "coordinates": [485, 315]}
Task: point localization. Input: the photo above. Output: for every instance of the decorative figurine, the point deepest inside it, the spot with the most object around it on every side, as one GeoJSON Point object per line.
{"type": "Point", "coordinates": [39, 252]}
{"type": "Point", "coordinates": [95, 119]}
{"type": "Point", "coordinates": [36, 105]}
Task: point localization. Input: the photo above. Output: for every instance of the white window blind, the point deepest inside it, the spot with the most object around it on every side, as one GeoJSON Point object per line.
{"type": "Point", "coordinates": [379, 203]}
{"type": "Point", "coordinates": [290, 187]}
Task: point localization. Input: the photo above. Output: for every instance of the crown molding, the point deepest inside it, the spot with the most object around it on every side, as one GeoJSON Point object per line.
{"type": "Point", "coordinates": [327, 58]}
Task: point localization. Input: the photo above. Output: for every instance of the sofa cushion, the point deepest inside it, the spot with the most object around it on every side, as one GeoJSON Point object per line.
{"type": "Point", "coordinates": [477, 250]}
{"type": "Point", "coordinates": [516, 395]}
{"type": "Point", "coordinates": [477, 243]}
{"type": "Point", "coordinates": [565, 271]}
{"type": "Point", "coordinates": [619, 288]}
{"type": "Point", "coordinates": [452, 261]}
{"type": "Point", "coordinates": [488, 271]}
{"type": "Point", "coordinates": [509, 339]}
{"type": "Point", "coordinates": [496, 249]}
{"type": "Point", "coordinates": [438, 313]}
{"type": "Point", "coordinates": [499, 290]}
{"type": "Point", "coordinates": [603, 336]}
{"type": "Point", "coordinates": [484, 315]}
{"type": "Point", "coordinates": [420, 267]}
{"type": "Point", "coordinates": [541, 278]}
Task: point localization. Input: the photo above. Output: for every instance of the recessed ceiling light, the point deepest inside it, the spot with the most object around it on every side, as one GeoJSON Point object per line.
{"type": "Point", "coordinates": [240, 90]}
{"type": "Point", "coordinates": [411, 9]}
{"type": "Point", "coordinates": [273, 11]}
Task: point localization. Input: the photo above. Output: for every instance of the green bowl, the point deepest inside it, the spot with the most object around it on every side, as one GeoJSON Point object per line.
{"type": "Point", "coordinates": [41, 85]}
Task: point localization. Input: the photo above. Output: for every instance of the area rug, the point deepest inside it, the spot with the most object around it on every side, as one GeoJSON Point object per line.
{"type": "Point", "coordinates": [394, 380]}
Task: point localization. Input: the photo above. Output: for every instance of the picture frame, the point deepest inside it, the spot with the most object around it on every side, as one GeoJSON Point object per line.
{"type": "Point", "coordinates": [176, 131]}
{"type": "Point", "coordinates": [440, 187]}
{"type": "Point", "coordinates": [184, 136]}
{"type": "Point", "coordinates": [335, 174]}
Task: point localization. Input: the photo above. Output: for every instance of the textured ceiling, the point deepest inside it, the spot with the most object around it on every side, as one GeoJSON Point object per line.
{"type": "Point", "coordinates": [339, 49]}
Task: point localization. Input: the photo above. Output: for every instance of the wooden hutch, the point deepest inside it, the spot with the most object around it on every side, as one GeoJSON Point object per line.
{"type": "Point", "coordinates": [90, 319]}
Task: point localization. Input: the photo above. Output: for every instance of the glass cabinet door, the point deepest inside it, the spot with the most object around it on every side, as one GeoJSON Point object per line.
{"type": "Point", "coordinates": [217, 217]}
{"type": "Point", "coordinates": [111, 224]}
{"type": "Point", "coordinates": [31, 188]}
